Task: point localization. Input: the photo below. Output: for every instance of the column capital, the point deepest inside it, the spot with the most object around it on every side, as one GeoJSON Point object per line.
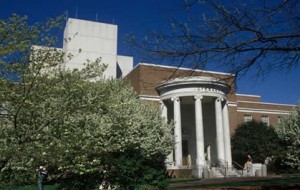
{"type": "Point", "coordinates": [198, 97]}
{"type": "Point", "coordinates": [176, 98]}
{"type": "Point", "coordinates": [225, 102]}
{"type": "Point", "coordinates": [219, 99]}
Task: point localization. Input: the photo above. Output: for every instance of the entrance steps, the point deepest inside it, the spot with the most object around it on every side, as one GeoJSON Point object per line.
{"type": "Point", "coordinates": [216, 173]}
{"type": "Point", "coordinates": [244, 173]}
{"type": "Point", "coordinates": [222, 172]}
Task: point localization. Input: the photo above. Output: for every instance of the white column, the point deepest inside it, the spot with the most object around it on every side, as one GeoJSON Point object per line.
{"type": "Point", "coordinates": [177, 132]}
{"type": "Point", "coordinates": [219, 130]}
{"type": "Point", "coordinates": [199, 131]}
{"type": "Point", "coordinates": [164, 115]}
{"type": "Point", "coordinates": [227, 143]}
{"type": "Point", "coordinates": [164, 111]}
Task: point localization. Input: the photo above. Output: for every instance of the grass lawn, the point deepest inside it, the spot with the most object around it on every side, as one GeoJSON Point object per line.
{"type": "Point", "coordinates": [277, 182]}
{"type": "Point", "coordinates": [32, 187]}
{"type": "Point", "coordinates": [176, 184]}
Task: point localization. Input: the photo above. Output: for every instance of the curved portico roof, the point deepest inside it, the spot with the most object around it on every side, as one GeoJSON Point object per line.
{"type": "Point", "coordinates": [194, 85]}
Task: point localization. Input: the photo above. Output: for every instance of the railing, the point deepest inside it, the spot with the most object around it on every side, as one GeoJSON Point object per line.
{"type": "Point", "coordinates": [235, 164]}
{"type": "Point", "coordinates": [222, 167]}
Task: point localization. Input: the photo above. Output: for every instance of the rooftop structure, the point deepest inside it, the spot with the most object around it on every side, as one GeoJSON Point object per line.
{"type": "Point", "coordinates": [88, 40]}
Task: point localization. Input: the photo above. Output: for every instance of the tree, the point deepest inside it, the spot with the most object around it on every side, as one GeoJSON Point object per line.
{"type": "Point", "coordinates": [20, 73]}
{"type": "Point", "coordinates": [255, 139]}
{"type": "Point", "coordinates": [78, 127]}
{"type": "Point", "coordinates": [235, 36]}
{"type": "Point", "coordinates": [288, 131]}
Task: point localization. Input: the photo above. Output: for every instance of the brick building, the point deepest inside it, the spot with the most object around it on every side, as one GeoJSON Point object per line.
{"type": "Point", "coordinates": [205, 109]}
{"type": "Point", "coordinates": [204, 105]}
{"type": "Point", "coordinates": [242, 107]}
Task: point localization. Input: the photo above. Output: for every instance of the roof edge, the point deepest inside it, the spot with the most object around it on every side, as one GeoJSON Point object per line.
{"type": "Point", "coordinates": [183, 68]}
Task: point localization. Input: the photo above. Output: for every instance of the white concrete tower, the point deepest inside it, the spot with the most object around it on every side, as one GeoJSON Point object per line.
{"type": "Point", "coordinates": [95, 40]}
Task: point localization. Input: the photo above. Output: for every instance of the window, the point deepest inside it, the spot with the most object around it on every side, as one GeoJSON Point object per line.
{"type": "Point", "coordinates": [247, 118]}
{"type": "Point", "coordinates": [265, 119]}
{"type": "Point", "coordinates": [279, 119]}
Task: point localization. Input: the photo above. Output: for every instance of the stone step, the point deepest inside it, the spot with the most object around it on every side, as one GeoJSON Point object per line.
{"type": "Point", "coordinates": [217, 173]}
{"type": "Point", "coordinates": [229, 173]}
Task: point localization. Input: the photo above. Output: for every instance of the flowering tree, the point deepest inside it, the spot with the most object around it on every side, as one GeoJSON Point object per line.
{"type": "Point", "coordinates": [79, 129]}
{"type": "Point", "coordinates": [288, 131]}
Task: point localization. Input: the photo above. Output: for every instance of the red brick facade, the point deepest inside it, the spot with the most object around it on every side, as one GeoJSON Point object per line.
{"type": "Point", "coordinates": [144, 79]}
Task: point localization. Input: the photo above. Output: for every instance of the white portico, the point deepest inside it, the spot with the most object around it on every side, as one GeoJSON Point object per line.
{"type": "Point", "coordinates": [198, 106]}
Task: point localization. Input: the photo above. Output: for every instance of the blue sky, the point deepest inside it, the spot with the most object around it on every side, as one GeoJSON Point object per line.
{"type": "Point", "coordinates": [141, 17]}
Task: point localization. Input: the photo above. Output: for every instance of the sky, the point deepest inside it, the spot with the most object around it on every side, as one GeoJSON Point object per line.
{"type": "Point", "coordinates": [140, 17]}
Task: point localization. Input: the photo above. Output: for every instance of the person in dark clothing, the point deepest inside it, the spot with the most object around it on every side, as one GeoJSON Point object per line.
{"type": "Point", "coordinates": [41, 175]}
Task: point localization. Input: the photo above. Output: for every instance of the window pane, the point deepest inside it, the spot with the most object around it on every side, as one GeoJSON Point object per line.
{"type": "Point", "coordinates": [265, 119]}
{"type": "Point", "coordinates": [247, 118]}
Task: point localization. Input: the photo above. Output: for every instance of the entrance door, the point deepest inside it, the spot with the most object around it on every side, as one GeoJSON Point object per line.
{"type": "Point", "coordinates": [186, 160]}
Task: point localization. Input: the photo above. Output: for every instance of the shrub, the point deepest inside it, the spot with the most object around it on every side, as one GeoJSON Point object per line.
{"type": "Point", "coordinates": [255, 139]}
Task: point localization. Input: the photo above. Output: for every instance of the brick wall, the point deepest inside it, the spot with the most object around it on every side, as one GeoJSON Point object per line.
{"type": "Point", "coordinates": [144, 78]}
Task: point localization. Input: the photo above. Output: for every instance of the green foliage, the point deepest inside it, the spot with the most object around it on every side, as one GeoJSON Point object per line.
{"type": "Point", "coordinates": [20, 74]}
{"type": "Point", "coordinates": [132, 170]}
{"type": "Point", "coordinates": [288, 131]}
{"type": "Point", "coordinates": [256, 139]}
{"type": "Point", "coordinates": [78, 124]}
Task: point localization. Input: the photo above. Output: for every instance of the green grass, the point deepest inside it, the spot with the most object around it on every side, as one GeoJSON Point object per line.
{"type": "Point", "coordinates": [178, 180]}
{"type": "Point", "coordinates": [31, 187]}
{"type": "Point", "coordinates": [274, 182]}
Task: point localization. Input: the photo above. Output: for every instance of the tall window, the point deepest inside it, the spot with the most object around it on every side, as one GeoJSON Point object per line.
{"type": "Point", "coordinates": [247, 118]}
{"type": "Point", "coordinates": [279, 119]}
{"type": "Point", "coordinates": [265, 119]}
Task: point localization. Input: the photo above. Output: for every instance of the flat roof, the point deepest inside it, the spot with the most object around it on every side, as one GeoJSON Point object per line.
{"type": "Point", "coordinates": [182, 68]}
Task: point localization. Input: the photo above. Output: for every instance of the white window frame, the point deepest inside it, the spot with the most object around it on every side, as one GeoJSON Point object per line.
{"type": "Point", "coordinates": [279, 119]}
{"type": "Point", "coordinates": [248, 118]}
{"type": "Point", "coordinates": [265, 119]}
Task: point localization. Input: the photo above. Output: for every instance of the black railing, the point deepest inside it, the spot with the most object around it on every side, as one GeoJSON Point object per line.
{"type": "Point", "coordinates": [238, 166]}
{"type": "Point", "coordinates": [222, 167]}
